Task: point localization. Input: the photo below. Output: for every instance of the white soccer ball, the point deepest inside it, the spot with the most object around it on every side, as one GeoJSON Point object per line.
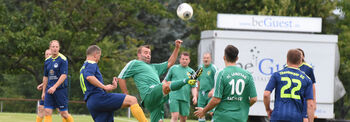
{"type": "Point", "coordinates": [184, 11]}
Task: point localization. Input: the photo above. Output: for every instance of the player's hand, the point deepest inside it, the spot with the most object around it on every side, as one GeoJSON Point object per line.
{"type": "Point", "coordinates": [210, 94]}
{"type": "Point", "coordinates": [109, 87]}
{"type": "Point", "coordinates": [166, 87]}
{"type": "Point", "coordinates": [211, 113]}
{"type": "Point", "coordinates": [43, 96]}
{"type": "Point", "coordinates": [269, 113]}
{"type": "Point", "coordinates": [40, 87]}
{"type": "Point", "coordinates": [115, 82]}
{"type": "Point", "coordinates": [178, 43]}
{"type": "Point", "coordinates": [199, 113]}
{"type": "Point", "coordinates": [51, 90]}
{"type": "Point", "coordinates": [194, 100]}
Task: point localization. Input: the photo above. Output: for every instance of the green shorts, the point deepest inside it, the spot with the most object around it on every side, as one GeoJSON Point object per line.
{"type": "Point", "coordinates": [203, 99]}
{"type": "Point", "coordinates": [154, 103]}
{"type": "Point", "coordinates": [181, 106]}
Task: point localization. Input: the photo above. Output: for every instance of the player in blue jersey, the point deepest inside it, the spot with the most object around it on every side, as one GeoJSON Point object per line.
{"type": "Point", "coordinates": [40, 115]}
{"type": "Point", "coordinates": [309, 71]}
{"type": "Point", "coordinates": [54, 92]}
{"type": "Point", "coordinates": [100, 103]}
{"type": "Point", "coordinates": [292, 86]}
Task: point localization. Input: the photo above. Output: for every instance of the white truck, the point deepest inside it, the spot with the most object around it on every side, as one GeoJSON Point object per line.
{"type": "Point", "coordinates": [262, 53]}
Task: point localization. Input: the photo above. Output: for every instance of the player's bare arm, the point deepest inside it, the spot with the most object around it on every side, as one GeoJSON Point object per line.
{"type": "Point", "coordinates": [58, 83]}
{"type": "Point", "coordinates": [40, 87]}
{"type": "Point", "coordinates": [173, 57]}
{"type": "Point", "coordinates": [310, 110]}
{"type": "Point", "coordinates": [45, 79]}
{"type": "Point", "coordinates": [122, 85]}
{"type": "Point", "coordinates": [94, 81]}
{"type": "Point", "coordinates": [253, 100]}
{"type": "Point", "coordinates": [314, 91]}
{"type": "Point", "coordinates": [267, 103]}
{"type": "Point", "coordinates": [201, 111]}
{"type": "Point", "coordinates": [210, 94]}
{"type": "Point", "coordinates": [195, 95]}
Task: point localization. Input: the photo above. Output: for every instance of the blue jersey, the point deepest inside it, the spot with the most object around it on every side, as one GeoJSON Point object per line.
{"type": "Point", "coordinates": [292, 88]}
{"type": "Point", "coordinates": [54, 68]}
{"type": "Point", "coordinates": [307, 69]}
{"type": "Point", "coordinates": [90, 68]}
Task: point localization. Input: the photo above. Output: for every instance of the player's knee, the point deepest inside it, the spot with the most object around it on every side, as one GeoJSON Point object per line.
{"type": "Point", "coordinates": [64, 114]}
{"type": "Point", "coordinates": [131, 100]}
{"type": "Point", "coordinates": [47, 112]}
{"type": "Point", "coordinates": [174, 116]}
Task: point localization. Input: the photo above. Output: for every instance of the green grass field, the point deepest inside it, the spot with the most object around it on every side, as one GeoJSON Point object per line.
{"type": "Point", "coordinates": [30, 117]}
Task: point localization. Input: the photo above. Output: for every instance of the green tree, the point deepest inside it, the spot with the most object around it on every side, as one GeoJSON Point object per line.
{"type": "Point", "coordinates": [342, 106]}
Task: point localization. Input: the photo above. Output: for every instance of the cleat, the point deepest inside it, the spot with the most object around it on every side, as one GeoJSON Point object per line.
{"type": "Point", "coordinates": [193, 77]}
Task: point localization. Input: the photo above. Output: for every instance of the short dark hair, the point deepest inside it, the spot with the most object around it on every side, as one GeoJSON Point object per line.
{"type": "Point", "coordinates": [231, 53]}
{"type": "Point", "coordinates": [143, 46]}
{"type": "Point", "coordinates": [185, 54]}
{"type": "Point", "coordinates": [294, 56]}
{"type": "Point", "coordinates": [92, 49]}
{"type": "Point", "coordinates": [302, 52]}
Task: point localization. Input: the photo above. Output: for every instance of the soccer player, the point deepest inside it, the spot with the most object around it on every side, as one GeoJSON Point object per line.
{"type": "Point", "coordinates": [234, 91]}
{"type": "Point", "coordinates": [292, 86]}
{"type": "Point", "coordinates": [309, 71]}
{"type": "Point", "coordinates": [100, 103]}
{"type": "Point", "coordinates": [55, 83]}
{"type": "Point", "coordinates": [206, 83]}
{"type": "Point", "coordinates": [40, 116]}
{"type": "Point", "coordinates": [179, 100]}
{"type": "Point", "coordinates": [146, 77]}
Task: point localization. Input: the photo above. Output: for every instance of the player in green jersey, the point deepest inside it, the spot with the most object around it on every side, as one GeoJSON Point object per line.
{"type": "Point", "coordinates": [206, 83]}
{"type": "Point", "coordinates": [234, 91]}
{"type": "Point", "coordinates": [146, 77]}
{"type": "Point", "coordinates": [179, 100]}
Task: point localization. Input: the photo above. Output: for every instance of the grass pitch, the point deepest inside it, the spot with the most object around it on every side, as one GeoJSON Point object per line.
{"type": "Point", "coordinates": [30, 117]}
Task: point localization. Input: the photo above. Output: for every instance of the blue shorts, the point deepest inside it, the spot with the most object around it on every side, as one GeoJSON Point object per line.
{"type": "Point", "coordinates": [41, 102]}
{"type": "Point", "coordinates": [59, 99]}
{"type": "Point", "coordinates": [103, 105]}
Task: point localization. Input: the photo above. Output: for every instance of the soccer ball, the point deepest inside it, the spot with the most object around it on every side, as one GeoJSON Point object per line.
{"type": "Point", "coordinates": [184, 11]}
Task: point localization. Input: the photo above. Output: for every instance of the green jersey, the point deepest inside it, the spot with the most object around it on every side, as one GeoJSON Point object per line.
{"type": "Point", "coordinates": [234, 86]}
{"type": "Point", "coordinates": [145, 75]}
{"type": "Point", "coordinates": [207, 78]}
{"type": "Point", "coordinates": [178, 72]}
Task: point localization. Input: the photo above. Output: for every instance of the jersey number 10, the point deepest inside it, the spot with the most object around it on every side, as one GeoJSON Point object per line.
{"type": "Point", "coordinates": [239, 82]}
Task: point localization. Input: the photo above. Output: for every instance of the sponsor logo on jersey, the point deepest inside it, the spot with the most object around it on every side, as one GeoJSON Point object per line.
{"type": "Point", "coordinates": [208, 72]}
{"type": "Point", "coordinates": [52, 72]}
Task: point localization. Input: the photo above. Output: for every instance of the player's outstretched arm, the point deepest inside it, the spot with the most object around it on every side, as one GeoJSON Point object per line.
{"type": "Point", "coordinates": [267, 103]}
{"type": "Point", "coordinates": [122, 85]}
{"type": "Point", "coordinates": [173, 57]}
{"type": "Point", "coordinates": [310, 110]}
